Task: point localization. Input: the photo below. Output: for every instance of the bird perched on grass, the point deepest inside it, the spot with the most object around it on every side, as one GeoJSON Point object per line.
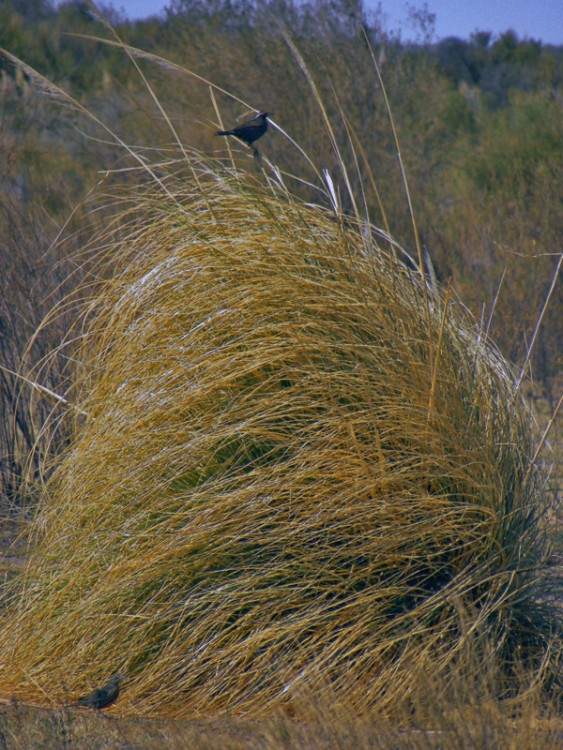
{"type": "Point", "coordinates": [249, 130]}
{"type": "Point", "coordinates": [101, 697]}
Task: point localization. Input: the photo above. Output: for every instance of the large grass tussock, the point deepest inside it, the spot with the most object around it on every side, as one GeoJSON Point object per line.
{"type": "Point", "coordinates": [294, 466]}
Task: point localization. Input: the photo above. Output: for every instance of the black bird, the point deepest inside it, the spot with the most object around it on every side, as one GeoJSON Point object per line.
{"type": "Point", "coordinates": [250, 130]}
{"type": "Point", "coordinates": [101, 697]}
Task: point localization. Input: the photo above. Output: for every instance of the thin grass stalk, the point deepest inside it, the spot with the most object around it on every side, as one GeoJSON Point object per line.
{"type": "Point", "coordinates": [432, 394]}
{"type": "Point", "coordinates": [313, 86]}
{"type": "Point", "coordinates": [552, 286]}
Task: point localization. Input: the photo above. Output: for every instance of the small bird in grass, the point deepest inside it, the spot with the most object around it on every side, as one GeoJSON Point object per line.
{"type": "Point", "coordinates": [250, 130]}
{"type": "Point", "coordinates": [101, 697]}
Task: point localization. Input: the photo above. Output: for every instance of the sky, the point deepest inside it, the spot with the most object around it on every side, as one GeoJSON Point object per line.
{"type": "Point", "coordinates": [537, 19]}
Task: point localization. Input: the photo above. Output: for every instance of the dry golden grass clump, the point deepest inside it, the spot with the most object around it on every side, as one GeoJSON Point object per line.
{"type": "Point", "coordinates": [297, 467]}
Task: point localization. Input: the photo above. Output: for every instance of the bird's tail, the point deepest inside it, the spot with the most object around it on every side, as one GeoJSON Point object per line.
{"type": "Point", "coordinates": [224, 132]}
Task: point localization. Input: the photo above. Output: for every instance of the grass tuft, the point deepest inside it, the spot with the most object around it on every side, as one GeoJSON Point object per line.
{"type": "Point", "coordinates": [295, 469]}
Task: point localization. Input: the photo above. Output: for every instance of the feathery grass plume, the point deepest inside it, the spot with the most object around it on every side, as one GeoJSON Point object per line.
{"type": "Point", "coordinates": [263, 498]}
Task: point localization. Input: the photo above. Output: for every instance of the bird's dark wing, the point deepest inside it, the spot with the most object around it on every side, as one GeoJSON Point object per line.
{"type": "Point", "coordinates": [92, 699]}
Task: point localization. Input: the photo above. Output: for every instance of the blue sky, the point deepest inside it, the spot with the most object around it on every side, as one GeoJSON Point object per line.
{"type": "Point", "coordinates": [538, 19]}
